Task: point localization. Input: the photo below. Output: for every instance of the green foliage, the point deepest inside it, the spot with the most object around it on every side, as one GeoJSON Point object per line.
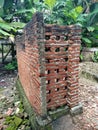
{"type": "Point", "coordinates": [95, 56]}
{"type": "Point", "coordinates": [1, 7]}
{"type": "Point", "coordinates": [21, 108]}
{"type": "Point", "coordinates": [73, 14]}
{"type": "Point", "coordinates": [11, 66]}
{"type": "Point", "coordinates": [87, 41]}
{"type": "Point", "coordinates": [50, 3]}
{"type": "Point", "coordinates": [6, 17]}
{"type": "Point", "coordinates": [15, 121]}
{"type": "Point", "coordinates": [9, 29]}
{"type": "Point", "coordinates": [62, 12]}
{"type": "Point", "coordinates": [81, 57]}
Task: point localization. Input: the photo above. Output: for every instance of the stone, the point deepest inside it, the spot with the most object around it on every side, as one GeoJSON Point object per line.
{"type": "Point", "coordinates": [17, 103]}
{"type": "Point", "coordinates": [22, 127]}
{"type": "Point", "coordinates": [25, 115]}
{"type": "Point", "coordinates": [1, 127]}
{"type": "Point", "coordinates": [76, 110]}
{"type": "Point", "coordinates": [43, 122]}
{"type": "Point", "coordinates": [96, 127]}
{"type": "Point", "coordinates": [3, 98]}
{"type": "Point", "coordinates": [17, 110]}
{"type": "Point", "coordinates": [1, 116]}
{"type": "Point", "coordinates": [9, 112]}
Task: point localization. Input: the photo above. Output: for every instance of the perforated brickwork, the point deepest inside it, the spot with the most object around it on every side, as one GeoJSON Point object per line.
{"type": "Point", "coordinates": [48, 59]}
{"type": "Point", "coordinates": [56, 56]}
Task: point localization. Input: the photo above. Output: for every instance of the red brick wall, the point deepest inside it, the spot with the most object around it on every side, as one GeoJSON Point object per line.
{"type": "Point", "coordinates": [62, 48]}
{"type": "Point", "coordinates": [48, 59]}
{"type": "Point", "coordinates": [28, 64]}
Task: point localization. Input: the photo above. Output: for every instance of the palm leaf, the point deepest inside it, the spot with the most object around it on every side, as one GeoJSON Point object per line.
{"type": "Point", "coordinates": [6, 26]}
{"type": "Point", "coordinates": [4, 33]}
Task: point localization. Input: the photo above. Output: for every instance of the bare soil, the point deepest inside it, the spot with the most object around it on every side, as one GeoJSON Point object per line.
{"type": "Point", "coordinates": [88, 120]}
{"type": "Point", "coordinates": [89, 66]}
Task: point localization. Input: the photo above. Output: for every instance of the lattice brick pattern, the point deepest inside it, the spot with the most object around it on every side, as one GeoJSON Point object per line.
{"type": "Point", "coordinates": [48, 61]}
{"type": "Point", "coordinates": [56, 56]}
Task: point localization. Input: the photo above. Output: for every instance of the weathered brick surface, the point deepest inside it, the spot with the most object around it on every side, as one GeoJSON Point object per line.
{"type": "Point", "coordinates": [29, 62]}
{"type": "Point", "coordinates": [48, 58]}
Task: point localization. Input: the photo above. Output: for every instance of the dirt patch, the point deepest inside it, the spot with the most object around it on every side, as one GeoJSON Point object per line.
{"type": "Point", "coordinates": [88, 94]}
{"type": "Point", "coordinates": [88, 120]}
{"type": "Point", "coordinates": [89, 66]}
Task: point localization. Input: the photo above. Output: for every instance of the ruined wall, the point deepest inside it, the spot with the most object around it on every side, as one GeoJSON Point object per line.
{"type": "Point", "coordinates": [48, 60]}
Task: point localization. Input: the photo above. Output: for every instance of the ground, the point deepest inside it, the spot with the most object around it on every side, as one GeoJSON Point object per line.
{"type": "Point", "coordinates": [11, 108]}
{"type": "Point", "coordinates": [88, 89]}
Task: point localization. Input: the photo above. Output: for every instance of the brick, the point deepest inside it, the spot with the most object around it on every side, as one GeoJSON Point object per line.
{"type": "Point", "coordinates": [48, 60]}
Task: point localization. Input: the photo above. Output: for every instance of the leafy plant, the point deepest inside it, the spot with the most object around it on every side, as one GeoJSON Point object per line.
{"type": "Point", "coordinates": [62, 12]}
{"type": "Point", "coordinates": [95, 56]}
{"type": "Point", "coordinates": [7, 15]}
{"type": "Point", "coordinates": [13, 122]}
{"type": "Point", "coordinates": [11, 66]}
{"type": "Point", "coordinates": [17, 120]}
{"type": "Point", "coordinates": [9, 29]}
{"type": "Point", "coordinates": [81, 57]}
{"type": "Point", "coordinates": [50, 3]}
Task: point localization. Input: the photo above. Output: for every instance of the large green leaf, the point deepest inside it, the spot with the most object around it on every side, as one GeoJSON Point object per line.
{"type": "Point", "coordinates": [1, 20]}
{"type": "Point", "coordinates": [1, 7]}
{"type": "Point", "coordinates": [76, 12]}
{"type": "Point", "coordinates": [4, 33]}
{"type": "Point", "coordinates": [86, 40]}
{"type": "Point", "coordinates": [90, 29]}
{"type": "Point", "coordinates": [17, 24]}
{"type": "Point", "coordinates": [32, 10]}
{"type": "Point", "coordinates": [6, 26]}
{"type": "Point", "coordinates": [50, 3]}
{"type": "Point", "coordinates": [1, 3]}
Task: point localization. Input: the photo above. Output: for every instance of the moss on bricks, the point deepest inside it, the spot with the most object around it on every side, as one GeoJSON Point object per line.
{"type": "Point", "coordinates": [29, 109]}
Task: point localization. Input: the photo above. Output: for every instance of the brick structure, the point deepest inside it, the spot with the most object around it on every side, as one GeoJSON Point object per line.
{"type": "Point", "coordinates": [48, 60]}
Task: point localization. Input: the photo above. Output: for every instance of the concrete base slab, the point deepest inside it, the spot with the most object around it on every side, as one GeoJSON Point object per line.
{"type": "Point", "coordinates": [63, 123]}
{"type": "Point", "coordinates": [76, 110]}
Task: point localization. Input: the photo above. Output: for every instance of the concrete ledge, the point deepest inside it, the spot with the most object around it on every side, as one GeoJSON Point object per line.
{"type": "Point", "coordinates": [59, 112]}
{"type": "Point", "coordinates": [90, 75]}
{"type": "Point", "coordinates": [76, 110]}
